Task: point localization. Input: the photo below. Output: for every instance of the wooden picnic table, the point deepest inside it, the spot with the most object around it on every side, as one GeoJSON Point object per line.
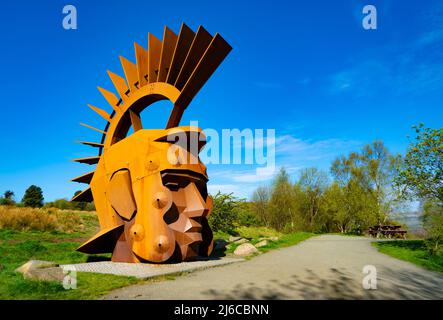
{"type": "Point", "coordinates": [389, 231]}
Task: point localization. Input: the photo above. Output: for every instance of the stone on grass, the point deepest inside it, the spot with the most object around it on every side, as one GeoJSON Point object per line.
{"type": "Point", "coordinates": [245, 249]}
{"type": "Point", "coordinates": [41, 270]}
{"type": "Point", "coordinates": [261, 243]}
{"type": "Point", "coordinates": [45, 274]}
{"type": "Point", "coordinates": [233, 239]}
{"type": "Point", "coordinates": [241, 241]}
{"type": "Point", "coordinates": [35, 264]}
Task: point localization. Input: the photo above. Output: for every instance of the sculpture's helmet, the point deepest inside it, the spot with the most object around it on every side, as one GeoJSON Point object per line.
{"type": "Point", "coordinates": [149, 187]}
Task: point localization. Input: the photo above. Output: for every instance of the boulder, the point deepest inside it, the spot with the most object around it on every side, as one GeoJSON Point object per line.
{"type": "Point", "coordinates": [35, 264]}
{"type": "Point", "coordinates": [245, 249]}
{"type": "Point", "coordinates": [241, 241]}
{"type": "Point", "coordinates": [234, 239]}
{"type": "Point", "coordinates": [41, 270]}
{"type": "Point", "coordinates": [46, 274]}
{"type": "Point", "coordinates": [261, 243]}
{"type": "Point", "coordinates": [268, 238]}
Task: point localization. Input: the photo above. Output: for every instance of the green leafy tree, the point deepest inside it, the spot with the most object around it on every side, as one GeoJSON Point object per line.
{"type": "Point", "coordinates": [421, 177]}
{"type": "Point", "coordinates": [312, 183]}
{"type": "Point", "coordinates": [282, 211]}
{"type": "Point", "coordinates": [8, 198]}
{"type": "Point", "coordinates": [334, 215]}
{"type": "Point", "coordinates": [421, 172]}
{"type": "Point", "coordinates": [33, 197]}
{"type": "Point", "coordinates": [260, 204]}
{"type": "Point", "coordinates": [223, 214]}
{"type": "Point", "coordinates": [9, 195]}
{"type": "Point", "coordinates": [372, 170]}
{"type": "Point", "coordinates": [433, 224]}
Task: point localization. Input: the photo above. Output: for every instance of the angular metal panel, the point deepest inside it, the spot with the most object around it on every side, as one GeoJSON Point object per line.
{"type": "Point", "coordinates": [88, 160]}
{"type": "Point", "coordinates": [214, 55]}
{"type": "Point", "coordinates": [119, 194]}
{"type": "Point", "coordinates": [142, 61]}
{"type": "Point", "coordinates": [104, 241]}
{"type": "Point", "coordinates": [119, 84]}
{"type": "Point", "coordinates": [136, 121]}
{"type": "Point", "coordinates": [111, 98]}
{"type": "Point", "coordinates": [101, 112]}
{"type": "Point", "coordinates": [84, 196]}
{"type": "Point", "coordinates": [198, 47]}
{"type": "Point", "coordinates": [154, 52]}
{"type": "Point", "coordinates": [131, 75]}
{"type": "Point", "coordinates": [92, 144]}
{"type": "Point", "coordinates": [184, 42]}
{"type": "Point", "coordinates": [168, 46]}
{"type": "Point", "coordinates": [92, 128]}
{"type": "Point", "coordinates": [84, 178]}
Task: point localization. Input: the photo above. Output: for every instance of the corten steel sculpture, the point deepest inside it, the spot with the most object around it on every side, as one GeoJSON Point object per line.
{"type": "Point", "coordinates": [152, 203]}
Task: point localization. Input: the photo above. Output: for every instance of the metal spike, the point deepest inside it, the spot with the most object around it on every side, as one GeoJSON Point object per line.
{"type": "Point", "coordinates": [101, 112]}
{"type": "Point", "coordinates": [119, 84]}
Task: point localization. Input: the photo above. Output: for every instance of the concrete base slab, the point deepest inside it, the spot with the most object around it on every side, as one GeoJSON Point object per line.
{"type": "Point", "coordinates": [146, 270]}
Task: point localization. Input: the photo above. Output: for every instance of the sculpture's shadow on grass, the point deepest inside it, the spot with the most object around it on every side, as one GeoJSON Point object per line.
{"type": "Point", "coordinates": [339, 285]}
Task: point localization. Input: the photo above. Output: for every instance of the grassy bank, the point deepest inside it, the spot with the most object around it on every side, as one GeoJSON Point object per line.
{"type": "Point", "coordinates": [53, 235]}
{"type": "Point", "coordinates": [413, 251]}
{"type": "Point", "coordinates": [256, 234]}
{"type": "Point", "coordinates": [63, 232]}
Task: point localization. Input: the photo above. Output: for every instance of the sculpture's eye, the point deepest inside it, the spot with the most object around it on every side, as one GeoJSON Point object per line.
{"type": "Point", "coordinates": [175, 179]}
{"type": "Point", "coordinates": [172, 215]}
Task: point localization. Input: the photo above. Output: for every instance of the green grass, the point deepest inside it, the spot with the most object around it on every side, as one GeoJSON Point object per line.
{"type": "Point", "coordinates": [17, 247]}
{"type": "Point", "coordinates": [255, 233]}
{"type": "Point", "coordinates": [285, 240]}
{"type": "Point", "coordinates": [413, 251]}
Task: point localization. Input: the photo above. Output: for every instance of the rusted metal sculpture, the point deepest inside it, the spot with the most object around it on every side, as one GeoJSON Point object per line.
{"type": "Point", "coordinates": [150, 192]}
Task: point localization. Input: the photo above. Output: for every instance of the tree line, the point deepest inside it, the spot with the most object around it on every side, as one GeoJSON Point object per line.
{"type": "Point", "coordinates": [33, 197]}
{"type": "Point", "coordinates": [362, 189]}
{"type": "Point", "coordinates": [359, 195]}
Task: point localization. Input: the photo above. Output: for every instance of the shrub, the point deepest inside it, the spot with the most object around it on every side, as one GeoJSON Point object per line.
{"type": "Point", "coordinates": [245, 215]}
{"type": "Point", "coordinates": [27, 219]}
{"type": "Point", "coordinates": [433, 224]}
{"type": "Point", "coordinates": [223, 217]}
{"type": "Point", "coordinates": [45, 219]}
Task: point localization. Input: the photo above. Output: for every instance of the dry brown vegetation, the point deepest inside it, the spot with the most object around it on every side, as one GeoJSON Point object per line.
{"type": "Point", "coordinates": [46, 219]}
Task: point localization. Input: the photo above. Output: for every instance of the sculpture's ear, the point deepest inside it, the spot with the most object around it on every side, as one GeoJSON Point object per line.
{"type": "Point", "coordinates": [120, 195]}
{"type": "Point", "coordinates": [191, 139]}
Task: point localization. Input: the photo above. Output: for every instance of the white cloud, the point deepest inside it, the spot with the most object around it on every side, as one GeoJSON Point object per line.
{"type": "Point", "coordinates": [291, 153]}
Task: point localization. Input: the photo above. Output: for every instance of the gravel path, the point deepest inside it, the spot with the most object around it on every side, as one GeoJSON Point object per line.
{"type": "Point", "coordinates": [324, 267]}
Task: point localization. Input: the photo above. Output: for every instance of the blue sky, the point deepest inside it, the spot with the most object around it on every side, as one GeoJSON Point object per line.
{"type": "Point", "coordinates": [307, 69]}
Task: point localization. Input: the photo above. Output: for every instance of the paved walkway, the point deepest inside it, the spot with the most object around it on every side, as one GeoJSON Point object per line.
{"type": "Point", "coordinates": [324, 267]}
{"type": "Point", "coordinates": [146, 271]}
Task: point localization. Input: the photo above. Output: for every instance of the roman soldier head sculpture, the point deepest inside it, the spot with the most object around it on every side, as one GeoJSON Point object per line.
{"type": "Point", "coordinates": [149, 187]}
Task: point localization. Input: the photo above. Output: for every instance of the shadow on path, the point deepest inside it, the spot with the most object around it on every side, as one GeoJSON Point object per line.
{"type": "Point", "coordinates": [392, 284]}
